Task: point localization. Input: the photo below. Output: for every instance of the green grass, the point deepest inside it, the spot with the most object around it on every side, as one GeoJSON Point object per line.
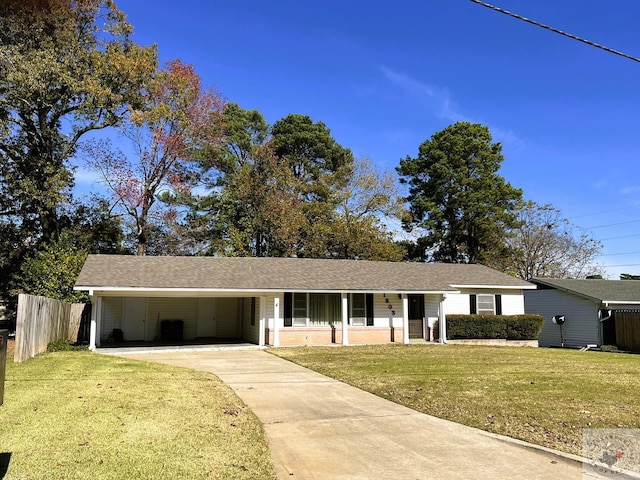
{"type": "Point", "coordinates": [543, 396]}
{"type": "Point", "coordinates": [80, 415]}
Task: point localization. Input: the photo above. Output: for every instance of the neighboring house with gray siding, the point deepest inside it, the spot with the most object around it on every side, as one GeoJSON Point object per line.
{"type": "Point", "coordinates": [596, 312]}
{"type": "Point", "coordinates": [287, 301]}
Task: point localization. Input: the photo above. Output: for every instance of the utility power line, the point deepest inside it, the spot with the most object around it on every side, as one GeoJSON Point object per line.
{"type": "Point", "coordinates": [547, 27]}
{"type": "Point", "coordinates": [612, 224]}
{"type": "Point", "coordinates": [621, 236]}
{"type": "Point", "coordinates": [606, 49]}
{"type": "Point", "coordinates": [605, 211]}
{"type": "Point", "coordinates": [614, 254]}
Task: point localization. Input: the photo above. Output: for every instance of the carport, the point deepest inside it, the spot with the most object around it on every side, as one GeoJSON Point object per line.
{"type": "Point", "coordinates": [156, 318]}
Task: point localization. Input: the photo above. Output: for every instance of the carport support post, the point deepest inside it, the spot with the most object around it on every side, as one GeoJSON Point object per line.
{"type": "Point", "coordinates": [405, 318]}
{"type": "Point", "coordinates": [442, 320]}
{"type": "Point", "coordinates": [96, 307]}
{"type": "Point", "coordinates": [262, 325]}
{"type": "Point", "coordinates": [345, 319]}
{"type": "Point", "coordinates": [276, 320]}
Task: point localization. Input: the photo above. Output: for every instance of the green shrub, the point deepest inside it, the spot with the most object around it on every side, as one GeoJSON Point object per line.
{"type": "Point", "coordinates": [64, 346]}
{"type": "Point", "coordinates": [524, 327]}
{"type": "Point", "coordinates": [482, 326]}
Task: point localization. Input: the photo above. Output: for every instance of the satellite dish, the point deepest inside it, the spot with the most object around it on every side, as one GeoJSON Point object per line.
{"type": "Point", "coordinates": [558, 319]}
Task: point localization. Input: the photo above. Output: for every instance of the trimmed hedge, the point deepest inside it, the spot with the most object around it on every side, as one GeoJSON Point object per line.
{"type": "Point", "coordinates": [480, 326]}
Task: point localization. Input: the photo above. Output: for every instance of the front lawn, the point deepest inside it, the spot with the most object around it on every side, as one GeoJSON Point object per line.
{"type": "Point", "coordinates": [542, 396]}
{"type": "Point", "coordinates": [80, 415]}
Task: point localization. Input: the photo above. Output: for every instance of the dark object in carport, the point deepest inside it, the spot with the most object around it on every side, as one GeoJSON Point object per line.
{"type": "Point", "coordinates": [171, 330]}
{"type": "Point", "coordinates": [4, 339]}
{"type": "Point", "coordinates": [117, 335]}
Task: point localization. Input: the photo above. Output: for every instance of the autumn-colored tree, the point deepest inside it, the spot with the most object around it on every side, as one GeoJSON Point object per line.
{"type": "Point", "coordinates": [177, 124]}
{"type": "Point", "coordinates": [67, 67]}
{"type": "Point", "coordinates": [259, 213]}
{"type": "Point", "coordinates": [291, 190]}
{"type": "Point", "coordinates": [356, 229]}
{"type": "Point", "coordinates": [62, 63]}
{"type": "Point", "coordinates": [321, 167]}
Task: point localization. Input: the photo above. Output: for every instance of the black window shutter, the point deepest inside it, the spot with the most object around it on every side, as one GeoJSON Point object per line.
{"type": "Point", "coordinates": [472, 304]}
{"type": "Point", "coordinates": [498, 300]}
{"type": "Point", "coordinates": [288, 309]}
{"type": "Point", "coordinates": [369, 308]}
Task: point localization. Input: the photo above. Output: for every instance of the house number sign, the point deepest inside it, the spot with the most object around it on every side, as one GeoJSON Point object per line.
{"type": "Point", "coordinates": [389, 306]}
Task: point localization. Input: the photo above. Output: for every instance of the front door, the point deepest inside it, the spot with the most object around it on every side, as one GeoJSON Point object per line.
{"type": "Point", "coordinates": [416, 316]}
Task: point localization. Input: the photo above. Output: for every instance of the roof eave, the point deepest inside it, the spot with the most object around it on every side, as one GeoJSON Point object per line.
{"type": "Point", "coordinates": [569, 290]}
{"type": "Point", "coordinates": [113, 289]}
{"type": "Point", "coordinates": [496, 287]}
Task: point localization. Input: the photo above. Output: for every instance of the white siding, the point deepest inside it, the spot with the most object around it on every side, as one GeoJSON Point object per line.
{"type": "Point", "coordinates": [269, 310]}
{"type": "Point", "coordinates": [387, 308]}
{"type": "Point", "coordinates": [160, 308]}
{"type": "Point", "coordinates": [111, 316]}
{"type": "Point", "coordinates": [457, 303]}
{"type": "Point", "coordinates": [206, 317]}
{"type": "Point", "coordinates": [432, 309]}
{"type": "Point", "coordinates": [227, 318]}
{"type": "Point", "coordinates": [134, 321]}
{"type": "Point", "coordinates": [251, 333]}
{"type": "Point", "coordinates": [581, 326]}
{"type": "Point", "coordinates": [512, 301]}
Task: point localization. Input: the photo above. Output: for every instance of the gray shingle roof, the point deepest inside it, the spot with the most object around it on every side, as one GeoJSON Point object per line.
{"type": "Point", "coordinates": [248, 273]}
{"type": "Point", "coordinates": [602, 290]}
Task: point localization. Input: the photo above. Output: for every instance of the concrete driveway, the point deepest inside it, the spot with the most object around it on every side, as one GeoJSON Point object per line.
{"type": "Point", "coordinates": [319, 428]}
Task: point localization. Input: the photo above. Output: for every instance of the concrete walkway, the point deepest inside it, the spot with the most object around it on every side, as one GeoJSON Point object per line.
{"type": "Point", "coordinates": [319, 428]}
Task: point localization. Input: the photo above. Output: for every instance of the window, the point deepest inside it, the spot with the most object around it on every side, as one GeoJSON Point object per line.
{"type": "Point", "coordinates": [325, 309]}
{"type": "Point", "coordinates": [362, 309]}
{"type": "Point", "coordinates": [312, 309]}
{"type": "Point", "coordinates": [358, 309]}
{"type": "Point", "coordinates": [299, 309]}
{"type": "Point", "coordinates": [485, 303]}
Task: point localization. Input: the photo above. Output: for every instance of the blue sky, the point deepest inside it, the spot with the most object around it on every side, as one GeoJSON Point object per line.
{"type": "Point", "coordinates": [385, 76]}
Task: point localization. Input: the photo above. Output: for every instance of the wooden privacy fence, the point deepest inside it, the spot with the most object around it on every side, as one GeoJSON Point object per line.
{"type": "Point", "coordinates": [41, 321]}
{"type": "Point", "coordinates": [628, 329]}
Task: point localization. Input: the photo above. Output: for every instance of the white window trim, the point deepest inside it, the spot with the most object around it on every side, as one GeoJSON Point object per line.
{"type": "Point", "coordinates": [362, 320]}
{"type": "Point", "coordinates": [484, 310]}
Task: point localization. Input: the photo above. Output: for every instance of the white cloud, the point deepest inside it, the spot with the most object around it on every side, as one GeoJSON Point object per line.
{"type": "Point", "coordinates": [507, 137]}
{"type": "Point", "coordinates": [441, 102]}
{"type": "Point", "coordinates": [602, 184]}
{"type": "Point", "coordinates": [435, 98]}
{"type": "Point", "coordinates": [629, 190]}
